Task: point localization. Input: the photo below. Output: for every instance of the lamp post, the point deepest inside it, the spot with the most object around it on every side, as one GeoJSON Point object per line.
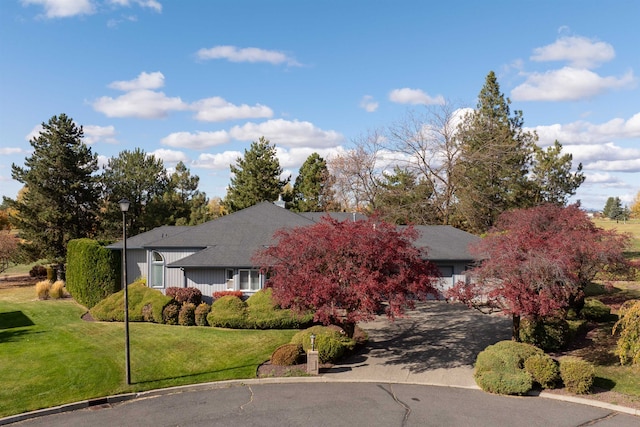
{"type": "Point", "coordinates": [124, 207]}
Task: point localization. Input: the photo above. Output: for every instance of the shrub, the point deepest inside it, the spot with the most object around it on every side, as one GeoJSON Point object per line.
{"type": "Point", "coordinates": [287, 355]}
{"type": "Point", "coordinates": [170, 314]}
{"type": "Point", "coordinates": [52, 273]}
{"type": "Point", "coordinates": [201, 313]}
{"type": "Point", "coordinates": [595, 310]}
{"type": "Point", "coordinates": [38, 271]}
{"type": "Point", "coordinates": [549, 334]}
{"type": "Point", "coordinates": [543, 369]}
{"type": "Point", "coordinates": [331, 344]}
{"type": "Point", "coordinates": [93, 271]}
{"type": "Point", "coordinates": [43, 288]}
{"type": "Point", "coordinates": [228, 312]}
{"type": "Point", "coordinates": [185, 295]}
{"type": "Point", "coordinates": [577, 374]}
{"type": "Point", "coordinates": [220, 294]}
{"type": "Point", "coordinates": [263, 313]}
{"type": "Point", "coordinates": [628, 345]}
{"type": "Point", "coordinates": [500, 368]}
{"type": "Point", "coordinates": [144, 303]}
{"type": "Point", "coordinates": [187, 315]}
{"type": "Point", "coordinates": [57, 289]}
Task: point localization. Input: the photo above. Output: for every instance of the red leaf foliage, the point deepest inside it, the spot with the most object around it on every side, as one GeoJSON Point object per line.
{"type": "Point", "coordinates": [535, 259]}
{"type": "Point", "coordinates": [344, 271]}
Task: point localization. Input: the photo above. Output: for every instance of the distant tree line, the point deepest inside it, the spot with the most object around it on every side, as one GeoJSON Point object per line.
{"type": "Point", "coordinates": [440, 167]}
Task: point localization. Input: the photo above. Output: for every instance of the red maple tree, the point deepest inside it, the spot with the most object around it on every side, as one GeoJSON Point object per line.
{"type": "Point", "coordinates": [345, 271]}
{"type": "Point", "coordinates": [537, 261]}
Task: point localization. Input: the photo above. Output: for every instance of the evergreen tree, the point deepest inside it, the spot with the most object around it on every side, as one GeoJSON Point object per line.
{"type": "Point", "coordinates": [256, 177]}
{"type": "Point", "coordinates": [60, 196]}
{"type": "Point", "coordinates": [492, 167]}
{"type": "Point", "coordinates": [182, 198]}
{"type": "Point", "coordinates": [142, 179]}
{"type": "Point", "coordinates": [403, 199]}
{"type": "Point", "coordinates": [551, 176]}
{"type": "Point", "coordinates": [312, 190]}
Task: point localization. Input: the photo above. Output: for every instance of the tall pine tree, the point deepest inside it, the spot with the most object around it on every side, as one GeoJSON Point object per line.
{"type": "Point", "coordinates": [312, 190]}
{"type": "Point", "coordinates": [495, 153]}
{"type": "Point", "coordinates": [256, 177]}
{"type": "Point", "coordinates": [61, 195]}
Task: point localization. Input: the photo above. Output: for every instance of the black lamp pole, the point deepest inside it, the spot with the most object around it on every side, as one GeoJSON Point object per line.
{"type": "Point", "coordinates": [124, 207]}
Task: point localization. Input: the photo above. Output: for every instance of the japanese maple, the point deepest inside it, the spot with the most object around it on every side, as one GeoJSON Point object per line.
{"type": "Point", "coordinates": [344, 271]}
{"type": "Point", "coordinates": [536, 262]}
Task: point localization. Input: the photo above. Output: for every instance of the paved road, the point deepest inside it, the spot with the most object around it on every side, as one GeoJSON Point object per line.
{"type": "Point", "coordinates": [338, 404]}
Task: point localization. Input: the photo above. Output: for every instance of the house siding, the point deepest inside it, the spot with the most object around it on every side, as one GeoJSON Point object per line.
{"type": "Point", "coordinates": [136, 264]}
{"type": "Point", "coordinates": [207, 281]}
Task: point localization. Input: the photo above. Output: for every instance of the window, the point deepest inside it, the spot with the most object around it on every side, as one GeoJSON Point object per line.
{"type": "Point", "coordinates": [249, 280]}
{"type": "Point", "coordinates": [231, 282]}
{"type": "Point", "coordinates": [157, 270]}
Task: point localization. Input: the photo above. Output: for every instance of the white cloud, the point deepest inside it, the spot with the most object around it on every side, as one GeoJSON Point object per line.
{"type": "Point", "coordinates": [287, 133]}
{"type": "Point", "coordinates": [568, 84]}
{"type": "Point", "coordinates": [368, 104]}
{"type": "Point", "coordinates": [217, 161]}
{"type": "Point", "coordinates": [580, 52]}
{"type": "Point", "coordinates": [414, 96]}
{"type": "Point", "coordinates": [583, 132]}
{"type": "Point", "coordinates": [170, 156]}
{"type": "Point", "coordinates": [247, 54]}
{"type": "Point", "coordinates": [144, 104]}
{"type": "Point", "coordinates": [295, 157]}
{"type": "Point", "coordinates": [144, 80]}
{"type": "Point", "coordinates": [63, 8]}
{"type": "Point", "coordinates": [197, 140]}
{"type": "Point", "coordinates": [629, 165]}
{"type": "Point", "coordinates": [7, 151]}
{"type": "Point", "coordinates": [601, 178]}
{"type": "Point", "coordinates": [217, 109]}
{"type": "Point", "coordinates": [35, 132]}
{"type": "Point", "coordinates": [103, 161]}
{"type": "Point", "coordinates": [151, 4]}
{"type": "Point", "coordinates": [93, 134]}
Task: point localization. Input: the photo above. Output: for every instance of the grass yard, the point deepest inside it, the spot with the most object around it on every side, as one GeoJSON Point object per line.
{"type": "Point", "coordinates": [632, 227]}
{"type": "Point", "coordinates": [49, 356]}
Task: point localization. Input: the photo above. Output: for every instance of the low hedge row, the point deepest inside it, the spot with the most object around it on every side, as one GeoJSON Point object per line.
{"type": "Point", "coordinates": [145, 304]}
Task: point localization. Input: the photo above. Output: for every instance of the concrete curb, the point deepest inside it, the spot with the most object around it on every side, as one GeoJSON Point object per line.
{"type": "Point", "coordinates": [275, 380]}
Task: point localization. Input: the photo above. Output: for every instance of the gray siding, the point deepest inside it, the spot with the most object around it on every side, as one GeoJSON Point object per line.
{"type": "Point", "coordinates": [136, 264]}
{"type": "Point", "coordinates": [207, 280]}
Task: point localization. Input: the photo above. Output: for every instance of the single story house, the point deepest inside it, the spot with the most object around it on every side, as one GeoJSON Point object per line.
{"type": "Point", "coordinates": [216, 256]}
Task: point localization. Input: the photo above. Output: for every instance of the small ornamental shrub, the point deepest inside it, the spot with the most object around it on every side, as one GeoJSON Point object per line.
{"type": "Point", "coordinates": [170, 314]}
{"type": "Point", "coordinates": [201, 313]}
{"type": "Point", "coordinates": [228, 312]}
{"type": "Point", "coordinates": [330, 344]}
{"type": "Point", "coordinates": [145, 304]}
{"type": "Point", "coordinates": [543, 369]}
{"type": "Point", "coordinates": [38, 271]}
{"type": "Point", "coordinates": [549, 334]}
{"type": "Point", "coordinates": [187, 315]}
{"type": "Point", "coordinates": [57, 290]}
{"type": "Point", "coordinates": [185, 295]}
{"type": "Point", "coordinates": [287, 355]}
{"type": "Point", "coordinates": [628, 346]}
{"type": "Point", "coordinates": [220, 294]}
{"type": "Point", "coordinates": [52, 273]}
{"type": "Point", "coordinates": [500, 368]}
{"type": "Point", "coordinates": [43, 288]}
{"type": "Point", "coordinates": [263, 313]}
{"type": "Point", "coordinates": [147, 313]}
{"type": "Point", "coordinates": [595, 310]}
{"type": "Point", "coordinates": [577, 374]}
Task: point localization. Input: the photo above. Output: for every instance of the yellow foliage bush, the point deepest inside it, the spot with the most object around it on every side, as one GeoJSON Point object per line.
{"type": "Point", "coordinates": [43, 288]}
{"type": "Point", "coordinates": [628, 348]}
{"type": "Point", "coordinates": [57, 290]}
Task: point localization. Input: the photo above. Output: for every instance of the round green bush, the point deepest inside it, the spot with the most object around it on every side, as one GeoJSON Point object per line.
{"type": "Point", "coordinates": [577, 374]}
{"type": "Point", "coordinates": [543, 369]}
{"type": "Point", "coordinates": [201, 313]}
{"type": "Point", "coordinates": [228, 312]}
{"type": "Point", "coordinates": [549, 334]}
{"type": "Point", "coordinates": [595, 310]}
{"type": "Point", "coordinates": [330, 344]}
{"type": "Point", "coordinates": [170, 314]}
{"type": "Point", "coordinates": [500, 368]}
{"type": "Point", "coordinates": [287, 355]}
{"type": "Point", "coordinates": [187, 315]}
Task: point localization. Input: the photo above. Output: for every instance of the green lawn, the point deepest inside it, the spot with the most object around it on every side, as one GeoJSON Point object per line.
{"type": "Point", "coordinates": [49, 356]}
{"type": "Point", "coordinates": [632, 227]}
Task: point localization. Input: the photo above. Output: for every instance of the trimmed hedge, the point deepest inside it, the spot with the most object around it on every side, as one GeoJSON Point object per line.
{"type": "Point", "coordinates": [228, 312]}
{"type": "Point", "coordinates": [500, 368]}
{"type": "Point", "coordinates": [596, 310]}
{"type": "Point", "coordinates": [145, 304]}
{"type": "Point", "coordinates": [93, 271]}
{"type": "Point", "coordinates": [201, 314]}
{"type": "Point", "coordinates": [543, 369]}
{"type": "Point", "coordinates": [287, 355]}
{"type": "Point", "coordinates": [330, 343]}
{"type": "Point", "coordinates": [187, 315]}
{"type": "Point", "coordinates": [549, 334]}
{"type": "Point", "coordinates": [185, 295]}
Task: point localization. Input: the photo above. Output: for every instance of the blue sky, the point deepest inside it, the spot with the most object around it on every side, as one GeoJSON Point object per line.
{"type": "Point", "coordinates": [197, 81]}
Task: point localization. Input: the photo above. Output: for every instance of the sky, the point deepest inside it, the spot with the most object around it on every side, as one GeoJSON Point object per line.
{"type": "Point", "coordinates": [198, 81]}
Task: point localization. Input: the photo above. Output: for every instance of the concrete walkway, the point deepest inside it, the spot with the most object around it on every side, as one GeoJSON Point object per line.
{"type": "Point", "coordinates": [435, 344]}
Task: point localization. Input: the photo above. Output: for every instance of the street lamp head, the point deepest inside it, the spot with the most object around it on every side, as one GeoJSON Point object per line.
{"type": "Point", "coordinates": [124, 205]}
